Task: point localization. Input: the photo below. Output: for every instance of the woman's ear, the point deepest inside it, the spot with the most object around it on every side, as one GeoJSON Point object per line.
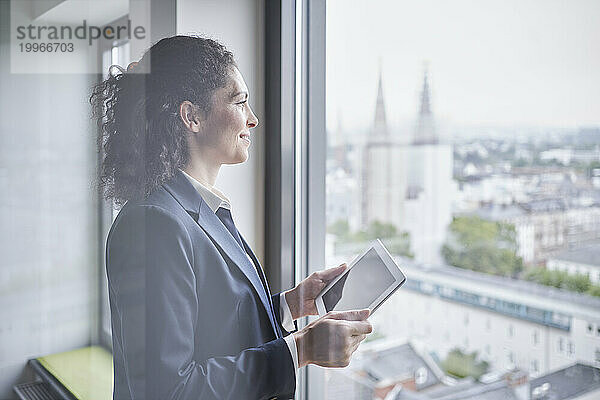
{"type": "Point", "coordinates": [190, 116]}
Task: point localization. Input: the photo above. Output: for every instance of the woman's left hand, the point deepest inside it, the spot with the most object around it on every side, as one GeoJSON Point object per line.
{"type": "Point", "coordinates": [301, 299]}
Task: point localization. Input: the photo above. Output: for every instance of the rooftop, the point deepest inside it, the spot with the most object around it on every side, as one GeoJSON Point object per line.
{"type": "Point", "coordinates": [589, 255]}
{"type": "Point", "coordinates": [398, 362]}
{"type": "Point", "coordinates": [390, 361]}
{"type": "Point", "coordinates": [498, 212]}
{"type": "Point", "coordinates": [517, 285]}
{"type": "Point", "coordinates": [545, 205]}
{"type": "Point", "coordinates": [568, 383]}
{"type": "Point", "coordinates": [494, 391]}
{"type": "Point", "coordinates": [502, 212]}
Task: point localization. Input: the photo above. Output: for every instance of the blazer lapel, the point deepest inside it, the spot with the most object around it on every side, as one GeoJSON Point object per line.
{"type": "Point", "coordinates": [190, 199]}
{"type": "Point", "coordinates": [263, 278]}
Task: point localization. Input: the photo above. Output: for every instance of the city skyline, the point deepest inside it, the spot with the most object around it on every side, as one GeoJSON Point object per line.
{"type": "Point", "coordinates": [530, 46]}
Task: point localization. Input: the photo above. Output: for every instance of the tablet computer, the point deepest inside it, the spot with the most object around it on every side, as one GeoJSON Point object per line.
{"type": "Point", "coordinates": [371, 278]}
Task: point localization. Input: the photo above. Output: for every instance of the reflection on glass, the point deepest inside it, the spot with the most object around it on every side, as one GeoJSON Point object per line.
{"type": "Point", "coordinates": [472, 149]}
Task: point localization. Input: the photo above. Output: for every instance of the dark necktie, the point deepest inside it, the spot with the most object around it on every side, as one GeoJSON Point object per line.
{"type": "Point", "coordinates": [225, 217]}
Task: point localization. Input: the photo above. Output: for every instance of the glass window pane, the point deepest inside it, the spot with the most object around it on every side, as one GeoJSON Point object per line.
{"type": "Point", "coordinates": [466, 137]}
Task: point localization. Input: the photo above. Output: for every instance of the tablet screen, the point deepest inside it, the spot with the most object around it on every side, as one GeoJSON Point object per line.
{"type": "Point", "coordinates": [362, 285]}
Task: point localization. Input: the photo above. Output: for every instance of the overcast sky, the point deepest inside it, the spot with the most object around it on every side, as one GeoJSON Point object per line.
{"type": "Point", "coordinates": [491, 62]}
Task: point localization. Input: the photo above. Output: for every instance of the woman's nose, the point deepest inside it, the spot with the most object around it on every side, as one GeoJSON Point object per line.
{"type": "Point", "coordinates": [252, 120]}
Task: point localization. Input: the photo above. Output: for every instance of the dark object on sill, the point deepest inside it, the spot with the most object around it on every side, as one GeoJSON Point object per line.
{"type": "Point", "coordinates": [60, 392]}
{"type": "Point", "coordinates": [34, 391]}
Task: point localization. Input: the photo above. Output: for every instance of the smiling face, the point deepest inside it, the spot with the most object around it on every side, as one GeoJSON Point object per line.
{"type": "Point", "coordinates": [224, 134]}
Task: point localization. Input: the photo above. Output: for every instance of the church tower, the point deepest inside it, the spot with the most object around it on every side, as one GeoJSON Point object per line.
{"type": "Point", "coordinates": [425, 130]}
{"type": "Point", "coordinates": [380, 128]}
{"type": "Point", "coordinates": [428, 206]}
{"type": "Point", "coordinates": [383, 183]}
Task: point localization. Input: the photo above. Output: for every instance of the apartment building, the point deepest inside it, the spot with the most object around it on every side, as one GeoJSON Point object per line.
{"type": "Point", "coordinates": [510, 323]}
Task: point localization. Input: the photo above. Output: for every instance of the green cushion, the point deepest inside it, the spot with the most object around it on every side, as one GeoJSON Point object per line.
{"type": "Point", "coordinates": [87, 373]}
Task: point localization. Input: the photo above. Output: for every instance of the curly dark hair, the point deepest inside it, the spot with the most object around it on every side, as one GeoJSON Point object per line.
{"type": "Point", "coordinates": [141, 134]}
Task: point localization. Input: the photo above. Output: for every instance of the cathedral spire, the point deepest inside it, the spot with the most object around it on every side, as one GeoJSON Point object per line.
{"type": "Point", "coordinates": [380, 122]}
{"type": "Point", "coordinates": [425, 102]}
{"type": "Point", "coordinates": [425, 132]}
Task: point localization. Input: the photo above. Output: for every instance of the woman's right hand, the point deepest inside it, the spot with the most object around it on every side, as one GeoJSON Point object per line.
{"type": "Point", "coordinates": [330, 340]}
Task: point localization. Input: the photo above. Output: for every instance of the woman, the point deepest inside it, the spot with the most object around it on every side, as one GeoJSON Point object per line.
{"type": "Point", "coordinates": [192, 313]}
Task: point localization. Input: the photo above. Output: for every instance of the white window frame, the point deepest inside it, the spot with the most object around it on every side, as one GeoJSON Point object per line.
{"type": "Point", "coordinates": [106, 209]}
{"type": "Point", "coordinates": [291, 242]}
{"type": "Point", "coordinates": [311, 153]}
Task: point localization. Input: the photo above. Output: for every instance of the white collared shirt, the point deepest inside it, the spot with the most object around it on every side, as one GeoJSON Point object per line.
{"type": "Point", "coordinates": [214, 198]}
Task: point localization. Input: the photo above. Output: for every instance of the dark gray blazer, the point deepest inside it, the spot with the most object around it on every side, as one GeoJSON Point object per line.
{"type": "Point", "coordinates": [190, 316]}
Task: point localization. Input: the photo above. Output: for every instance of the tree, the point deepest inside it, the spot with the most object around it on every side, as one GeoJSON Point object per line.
{"type": "Point", "coordinates": [398, 243]}
{"type": "Point", "coordinates": [563, 280]}
{"type": "Point", "coordinates": [339, 228]}
{"type": "Point", "coordinates": [461, 364]}
{"type": "Point", "coordinates": [594, 291]}
{"type": "Point", "coordinates": [380, 230]}
{"type": "Point", "coordinates": [484, 246]}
